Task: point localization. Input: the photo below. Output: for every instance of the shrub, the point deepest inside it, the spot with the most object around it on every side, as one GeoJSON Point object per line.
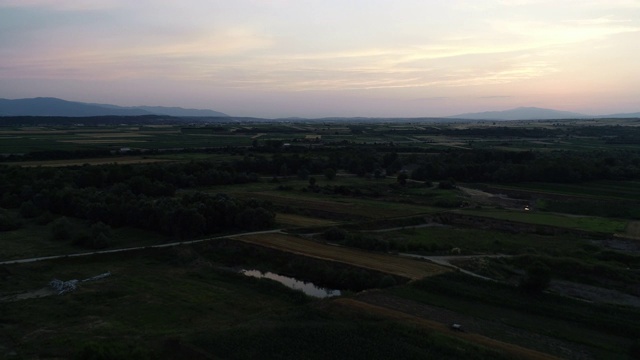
{"type": "Point", "coordinates": [62, 229]}
{"type": "Point", "coordinates": [537, 279]}
{"type": "Point", "coordinates": [335, 234]}
{"type": "Point", "coordinates": [9, 221]}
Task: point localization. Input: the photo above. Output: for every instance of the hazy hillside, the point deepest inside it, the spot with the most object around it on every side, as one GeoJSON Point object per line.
{"type": "Point", "coordinates": [521, 113]}
{"type": "Point", "coordinates": [58, 107]}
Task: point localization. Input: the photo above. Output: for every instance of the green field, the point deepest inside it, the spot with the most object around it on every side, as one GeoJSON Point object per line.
{"type": "Point", "coordinates": [404, 218]}
{"type": "Point", "coordinates": [596, 224]}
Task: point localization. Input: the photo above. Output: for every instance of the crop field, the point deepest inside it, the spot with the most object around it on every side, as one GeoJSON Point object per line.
{"type": "Point", "coordinates": [401, 210]}
{"type": "Point", "coordinates": [408, 268]}
{"type": "Point", "coordinates": [468, 241]}
{"type": "Point", "coordinates": [91, 161]}
{"type": "Point", "coordinates": [291, 220]}
{"type": "Point", "coordinates": [363, 208]}
{"type": "Point", "coordinates": [588, 223]}
{"type": "Point", "coordinates": [24, 141]}
{"type": "Point", "coordinates": [619, 190]}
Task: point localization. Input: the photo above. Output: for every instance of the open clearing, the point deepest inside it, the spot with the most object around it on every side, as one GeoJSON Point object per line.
{"type": "Point", "coordinates": [412, 269]}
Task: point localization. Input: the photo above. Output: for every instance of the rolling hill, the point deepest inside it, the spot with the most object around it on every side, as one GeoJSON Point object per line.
{"type": "Point", "coordinates": [46, 106]}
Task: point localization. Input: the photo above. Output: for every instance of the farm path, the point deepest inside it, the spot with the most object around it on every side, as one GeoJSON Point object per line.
{"type": "Point", "coordinates": [486, 198]}
{"type": "Point", "coordinates": [446, 261]}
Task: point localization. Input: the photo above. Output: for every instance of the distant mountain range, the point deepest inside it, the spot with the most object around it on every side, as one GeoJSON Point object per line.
{"type": "Point", "coordinates": [45, 106]}
{"type": "Point", "coordinates": [534, 113]}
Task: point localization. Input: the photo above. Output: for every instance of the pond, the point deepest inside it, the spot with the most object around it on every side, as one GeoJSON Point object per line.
{"type": "Point", "coordinates": [306, 287]}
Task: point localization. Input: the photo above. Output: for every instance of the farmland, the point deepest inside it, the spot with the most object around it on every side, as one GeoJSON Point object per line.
{"type": "Point", "coordinates": [525, 233]}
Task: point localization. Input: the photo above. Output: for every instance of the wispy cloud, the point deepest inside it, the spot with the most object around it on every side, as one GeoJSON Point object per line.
{"type": "Point", "coordinates": [412, 49]}
{"type": "Point", "coordinates": [65, 5]}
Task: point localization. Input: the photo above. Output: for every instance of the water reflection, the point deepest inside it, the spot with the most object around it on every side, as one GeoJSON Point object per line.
{"type": "Point", "coordinates": [308, 288]}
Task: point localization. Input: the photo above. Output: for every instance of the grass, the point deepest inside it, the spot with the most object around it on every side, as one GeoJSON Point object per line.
{"type": "Point", "coordinates": [587, 223]}
{"type": "Point", "coordinates": [343, 207]}
{"type": "Point", "coordinates": [633, 229]}
{"type": "Point", "coordinates": [291, 220]}
{"type": "Point", "coordinates": [613, 190]}
{"type": "Point", "coordinates": [502, 348]}
{"type": "Point", "coordinates": [477, 241]}
{"type": "Point", "coordinates": [606, 330]}
{"type": "Point", "coordinates": [35, 240]}
{"type": "Point", "coordinates": [168, 303]}
{"type": "Point", "coordinates": [145, 300]}
{"type": "Point", "coordinates": [69, 138]}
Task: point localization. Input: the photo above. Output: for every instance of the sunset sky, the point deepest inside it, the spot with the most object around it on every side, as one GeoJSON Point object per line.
{"type": "Point", "coordinates": [319, 58]}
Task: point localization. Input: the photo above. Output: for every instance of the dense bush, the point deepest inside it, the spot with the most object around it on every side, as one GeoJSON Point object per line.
{"type": "Point", "coordinates": [536, 279]}
{"type": "Point", "coordinates": [9, 221]}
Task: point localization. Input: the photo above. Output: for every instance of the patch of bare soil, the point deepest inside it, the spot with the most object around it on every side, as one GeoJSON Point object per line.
{"type": "Point", "coordinates": [621, 243]}
{"type": "Point", "coordinates": [492, 329]}
{"type": "Point", "coordinates": [45, 291]}
{"type": "Point", "coordinates": [484, 198]}
{"type": "Point", "coordinates": [593, 293]}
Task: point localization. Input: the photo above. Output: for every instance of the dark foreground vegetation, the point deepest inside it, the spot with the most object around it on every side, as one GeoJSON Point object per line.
{"type": "Point", "coordinates": [533, 229]}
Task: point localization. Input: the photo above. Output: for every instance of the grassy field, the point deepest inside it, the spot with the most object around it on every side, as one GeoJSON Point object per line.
{"type": "Point", "coordinates": [144, 302]}
{"type": "Point", "coordinates": [35, 240]}
{"type": "Point", "coordinates": [604, 331]}
{"type": "Point", "coordinates": [614, 190]}
{"type": "Point", "coordinates": [342, 207]}
{"type": "Point", "coordinates": [408, 268]}
{"type": "Point", "coordinates": [189, 301]}
{"type": "Point", "coordinates": [440, 240]}
{"type": "Point", "coordinates": [506, 349]}
{"type": "Point", "coordinates": [113, 138]}
{"type": "Point", "coordinates": [166, 304]}
{"type": "Point", "coordinates": [291, 220]}
{"type": "Point", "coordinates": [587, 223]}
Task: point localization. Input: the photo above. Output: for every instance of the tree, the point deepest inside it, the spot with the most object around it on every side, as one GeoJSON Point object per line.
{"type": "Point", "coordinates": [62, 229]}
{"type": "Point", "coordinates": [335, 234]}
{"type": "Point", "coordinates": [537, 278]}
{"type": "Point", "coordinates": [28, 210]}
{"type": "Point", "coordinates": [329, 173]}
{"type": "Point", "coordinates": [303, 173]}
{"type": "Point", "coordinates": [8, 221]}
{"type": "Point", "coordinates": [447, 184]}
{"type": "Point", "coordinates": [402, 178]}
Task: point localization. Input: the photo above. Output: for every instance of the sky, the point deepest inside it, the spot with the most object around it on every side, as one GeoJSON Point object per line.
{"type": "Point", "coordinates": [324, 58]}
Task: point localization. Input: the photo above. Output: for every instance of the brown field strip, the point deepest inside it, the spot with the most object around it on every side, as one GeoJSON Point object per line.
{"type": "Point", "coordinates": [518, 352]}
{"type": "Point", "coordinates": [409, 268]}
{"type": "Point", "coordinates": [633, 229]}
{"type": "Point", "coordinates": [102, 141]}
{"type": "Point", "coordinates": [113, 135]}
{"type": "Point", "coordinates": [301, 221]}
